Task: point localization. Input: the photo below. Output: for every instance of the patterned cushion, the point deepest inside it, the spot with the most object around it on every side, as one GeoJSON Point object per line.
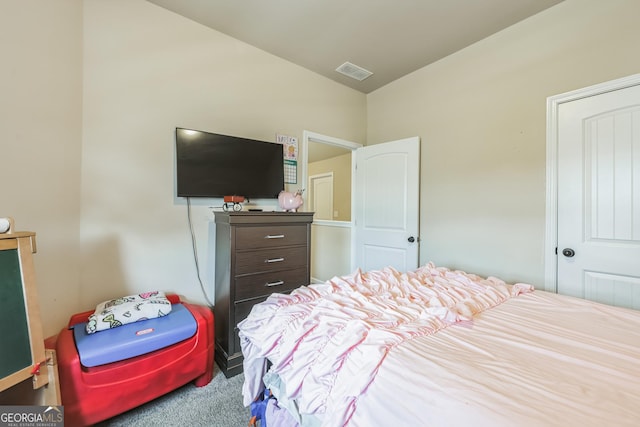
{"type": "Point", "coordinates": [132, 308]}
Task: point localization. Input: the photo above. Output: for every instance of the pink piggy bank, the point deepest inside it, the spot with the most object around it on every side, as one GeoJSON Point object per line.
{"type": "Point", "coordinates": [290, 202]}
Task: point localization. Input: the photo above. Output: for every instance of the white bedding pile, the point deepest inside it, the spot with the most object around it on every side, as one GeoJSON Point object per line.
{"type": "Point", "coordinates": [327, 342]}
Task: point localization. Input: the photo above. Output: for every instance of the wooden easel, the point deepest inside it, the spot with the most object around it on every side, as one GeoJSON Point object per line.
{"type": "Point", "coordinates": [22, 354]}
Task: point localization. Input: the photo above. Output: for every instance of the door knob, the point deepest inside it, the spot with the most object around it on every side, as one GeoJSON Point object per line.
{"type": "Point", "coordinates": [411, 239]}
{"type": "Point", "coordinates": [568, 252]}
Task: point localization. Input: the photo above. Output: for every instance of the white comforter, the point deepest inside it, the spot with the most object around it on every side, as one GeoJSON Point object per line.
{"type": "Point", "coordinates": [327, 342]}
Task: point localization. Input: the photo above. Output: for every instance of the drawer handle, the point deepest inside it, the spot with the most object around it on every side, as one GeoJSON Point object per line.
{"type": "Point", "coordinates": [274, 236]}
{"type": "Point", "coordinates": [275, 260]}
{"type": "Point", "coordinates": [278, 283]}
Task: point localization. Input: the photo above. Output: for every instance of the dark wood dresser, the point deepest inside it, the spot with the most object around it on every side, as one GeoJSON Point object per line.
{"type": "Point", "coordinates": [257, 253]}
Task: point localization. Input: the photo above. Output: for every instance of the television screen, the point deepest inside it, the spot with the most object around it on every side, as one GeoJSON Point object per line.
{"type": "Point", "coordinates": [213, 165]}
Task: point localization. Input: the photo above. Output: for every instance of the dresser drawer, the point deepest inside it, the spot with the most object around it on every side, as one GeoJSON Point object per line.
{"type": "Point", "coordinates": [242, 310]}
{"type": "Point", "coordinates": [255, 285]}
{"type": "Point", "coordinates": [265, 260]}
{"type": "Point", "coordinates": [270, 236]}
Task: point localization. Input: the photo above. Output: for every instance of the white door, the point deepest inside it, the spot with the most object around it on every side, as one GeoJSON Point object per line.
{"type": "Point", "coordinates": [321, 196]}
{"type": "Point", "coordinates": [599, 197]}
{"type": "Point", "coordinates": [387, 205]}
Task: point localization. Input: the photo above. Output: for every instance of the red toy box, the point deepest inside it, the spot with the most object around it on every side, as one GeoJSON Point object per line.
{"type": "Point", "coordinates": [91, 395]}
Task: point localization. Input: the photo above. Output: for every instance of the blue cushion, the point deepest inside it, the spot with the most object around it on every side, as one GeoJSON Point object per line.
{"type": "Point", "coordinates": [134, 339]}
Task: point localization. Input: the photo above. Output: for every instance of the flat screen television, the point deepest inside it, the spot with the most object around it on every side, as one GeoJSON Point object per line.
{"type": "Point", "coordinates": [214, 165]}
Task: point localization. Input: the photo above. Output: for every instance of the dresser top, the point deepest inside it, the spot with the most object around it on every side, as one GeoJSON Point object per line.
{"type": "Point", "coordinates": [252, 217]}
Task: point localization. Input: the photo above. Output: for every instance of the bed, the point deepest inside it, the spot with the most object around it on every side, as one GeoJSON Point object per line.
{"type": "Point", "coordinates": [437, 347]}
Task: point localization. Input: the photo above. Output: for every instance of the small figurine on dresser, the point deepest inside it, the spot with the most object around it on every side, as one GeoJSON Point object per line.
{"type": "Point", "coordinates": [290, 202]}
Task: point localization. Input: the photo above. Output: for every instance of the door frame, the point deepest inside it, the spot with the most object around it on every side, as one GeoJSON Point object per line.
{"type": "Point", "coordinates": [553, 104]}
{"type": "Point", "coordinates": [348, 145]}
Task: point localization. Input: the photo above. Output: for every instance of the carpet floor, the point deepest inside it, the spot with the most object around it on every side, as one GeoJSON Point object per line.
{"type": "Point", "coordinates": [218, 404]}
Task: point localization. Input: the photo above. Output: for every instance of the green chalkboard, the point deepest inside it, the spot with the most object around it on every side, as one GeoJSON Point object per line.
{"type": "Point", "coordinates": [15, 348]}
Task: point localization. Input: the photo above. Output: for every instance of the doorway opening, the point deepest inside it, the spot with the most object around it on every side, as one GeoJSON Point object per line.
{"type": "Point", "coordinates": [332, 228]}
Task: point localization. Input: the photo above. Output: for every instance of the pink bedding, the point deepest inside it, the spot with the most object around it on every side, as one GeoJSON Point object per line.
{"type": "Point", "coordinates": [538, 360]}
{"type": "Point", "coordinates": [327, 342]}
{"type": "Point", "coordinates": [436, 347]}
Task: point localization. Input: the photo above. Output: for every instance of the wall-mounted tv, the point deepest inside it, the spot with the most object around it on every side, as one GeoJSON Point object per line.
{"type": "Point", "coordinates": [214, 165]}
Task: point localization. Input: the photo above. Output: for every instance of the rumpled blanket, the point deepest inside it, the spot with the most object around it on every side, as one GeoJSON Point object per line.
{"type": "Point", "coordinates": [128, 309]}
{"type": "Point", "coordinates": [327, 341]}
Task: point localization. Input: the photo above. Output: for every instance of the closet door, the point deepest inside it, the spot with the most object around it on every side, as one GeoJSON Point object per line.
{"type": "Point", "coordinates": [599, 197]}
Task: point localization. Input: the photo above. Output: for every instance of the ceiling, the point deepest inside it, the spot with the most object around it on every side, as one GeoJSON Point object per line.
{"type": "Point", "coordinates": [390, 38]}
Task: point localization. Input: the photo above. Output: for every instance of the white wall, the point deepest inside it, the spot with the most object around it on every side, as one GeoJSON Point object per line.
{"type": "Point", "coordinates": [40, 141]}
{"type": "Point", "coordinates": [148, 70]}
{"type": "Point", "coordinates": [481, 116]}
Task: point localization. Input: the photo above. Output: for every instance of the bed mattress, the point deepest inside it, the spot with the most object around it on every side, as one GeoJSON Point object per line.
{"type": "Point", "coordinates": [133, 339]}
{"type": "Point", "coordinates": [532, 358]}
{"type": "Point", "coordinates": [541, 359]}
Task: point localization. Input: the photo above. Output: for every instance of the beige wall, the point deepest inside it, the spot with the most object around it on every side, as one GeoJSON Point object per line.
{"type": "Point", "coordinates": [40, 141]}
{"type": "Point", "coordinates": [92, 90]}
{"type": "Point", "coordinates": [340, 166]}
{"type": "Point", "coordinates": [91, 94]}
{"type": "Point", "coordinates": [334, 255]}
{"type": "Point", "coordinates": [481, 116]}
{"type": "Point", "coordinates": [331, 242]}
{"type": "Point", "coordinates": [148, 70]}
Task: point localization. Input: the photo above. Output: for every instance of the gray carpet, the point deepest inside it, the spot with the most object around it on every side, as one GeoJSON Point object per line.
{"type": "Point", "coordinates": [218, 404]}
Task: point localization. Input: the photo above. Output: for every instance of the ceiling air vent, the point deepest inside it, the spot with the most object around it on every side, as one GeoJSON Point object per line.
{"type": "Point", "coordinates": [353, 71]}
